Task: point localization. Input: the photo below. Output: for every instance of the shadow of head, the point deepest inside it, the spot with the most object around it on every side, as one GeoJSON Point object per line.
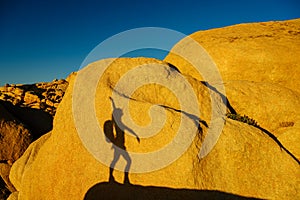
{"type": "Point", "coordinates": [117, 113]}
{"type": "Point", "coordinates": [119, 191]}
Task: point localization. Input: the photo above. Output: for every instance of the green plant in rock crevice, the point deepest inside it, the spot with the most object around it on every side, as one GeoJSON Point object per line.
{"type": "Point", "coordinates": [244, 119]}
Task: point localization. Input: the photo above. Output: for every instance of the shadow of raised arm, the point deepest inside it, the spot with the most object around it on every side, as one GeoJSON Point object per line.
{"type": "Point", "coordinates": [113, 103]}
{"type": "Point", "coordinates": [117, 114]}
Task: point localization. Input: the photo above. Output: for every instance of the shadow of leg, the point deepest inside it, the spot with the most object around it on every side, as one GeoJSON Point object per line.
{"type": "Point", "coordinates": [112, 165]}
{"type": "Point", "coordinates": [128, 164]}
{"type": "Point", "coordinates": [111, 177]}
{"type": "Point", "coordinates": [126, 178]}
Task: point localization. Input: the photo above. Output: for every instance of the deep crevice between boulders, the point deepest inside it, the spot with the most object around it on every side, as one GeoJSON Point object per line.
{"type": "Point", "coordinates": [197, 120]}
{"type": "Point", "coordinates": [248, 120]}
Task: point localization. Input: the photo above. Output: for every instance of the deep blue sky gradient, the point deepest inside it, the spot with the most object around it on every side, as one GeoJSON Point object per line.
{"type": "Point", "coordinates": [44, 40]}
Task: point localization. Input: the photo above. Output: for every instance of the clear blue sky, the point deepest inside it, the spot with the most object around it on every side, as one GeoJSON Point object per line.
{"type": "Point", "coordinates": [44, 40]}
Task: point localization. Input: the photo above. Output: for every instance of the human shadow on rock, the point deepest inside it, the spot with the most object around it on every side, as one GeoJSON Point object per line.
{"type": "Point", "coordinates": [38, 121]}
{"type": "Point", "coordinates": [116, 125]}
{"type": "Point", "coordinates": [108, 190]}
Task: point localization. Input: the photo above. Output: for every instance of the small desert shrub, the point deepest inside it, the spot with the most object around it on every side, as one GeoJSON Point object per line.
{"type": "Point", "coordinates": [286, 124]}
{"type": "Point", "coordinates": [244, 119]}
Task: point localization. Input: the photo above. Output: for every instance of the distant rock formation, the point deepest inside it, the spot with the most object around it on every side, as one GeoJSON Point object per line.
{"type": "Point", "coordinates": [257, 154]}
{"type": "Point", "coordinates": [43, 96]}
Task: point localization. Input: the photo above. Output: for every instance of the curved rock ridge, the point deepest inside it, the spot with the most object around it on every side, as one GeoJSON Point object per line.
{"type": "Point", "coordinates": [245, 162]}
{"type": "Point", "coordinates": [260, 52]}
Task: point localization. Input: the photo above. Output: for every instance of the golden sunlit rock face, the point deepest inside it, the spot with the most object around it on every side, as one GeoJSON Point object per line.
{"type": "Point", "coordinates": [260, 69]}
{"type": "Point", "coordinates": [259, 52]}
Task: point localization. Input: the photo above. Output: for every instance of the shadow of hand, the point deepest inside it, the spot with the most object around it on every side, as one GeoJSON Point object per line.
{"type": "Point", "coordinates": [138, 139]}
